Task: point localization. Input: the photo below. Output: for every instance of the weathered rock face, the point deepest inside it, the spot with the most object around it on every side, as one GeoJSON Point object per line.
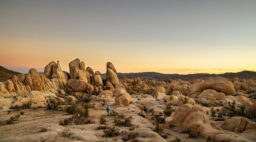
{"type": "Point", "coordinates": [191, 118]}
{"type": "Point", "coordinates": [195, 88]}
{"type": "Point", "coordinates": [211, 97]}
{"type": "Point", "coordinates": [122, 98]}
{"type": "Point", "coordinates": [239, 101]}
{"type": "Point", "coordinates": [98, 81]}
{"type": "Point", "coordinates": [111, 66]}
{"type": "Point", "coordinates": [34, 98]}
{"type": "Point", "coordinates": [77, 85]}
{"type": "Point", "coordinates": [83, 75]}
{"type": "Point", "coordinates": [54, 71]}
{"type": "Point", "coordinates": [90, 70]}
{"type": "Point", "coordinates": [112, 78]}
{"type": "Point", "coordinates": [74, 67]}
{"type": "Point", "coordinates": [238, 124]}
{"type": "Point", "coordinates": [219, 84]}
{"type": "Point", "coordinates": [38, 82]}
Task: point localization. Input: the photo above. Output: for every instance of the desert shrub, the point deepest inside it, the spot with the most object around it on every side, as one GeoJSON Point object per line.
{"type": "Point", "coordinates": [52, 104]}
{"type": "Point", "coordinates": [101, 128]}
{"type": "Point", "coordinates": [131, 136]}
{"type": "Point", "coordinates": [66, 121]}
{"type": "Point", "coordinates": [42, 139]}
{"type": "Point", "coordinates": [87, 106]}
{"type": "Point", "coordinates": [159, 129]}
{"type": "Point", "coordinates": [12, 119]}
{"type": "Point", "coordinates": [86, 98]}
{"type": "Point", "coordinates": [82, 120]}
{"type": "Point", "coordinates": [213, 112]}
{"type": "Point", "coordinates": [26, 105]}
{"type": "Point", "coordinates": [168, 111]}
{"type": "Point", "coordinates": [232, 106]}
{"type": "Point", "coordinates": [242, 110]}
{"type": "Point", "coordinates": [122, 121]}
{"type": "Point", "coordinates": [102, 120]}
{"type": "Point", "coordinates": [66, 133]}
{"type": "Point", "coordinates": [71, 109]}
{"type": "Point", "coordinates": [111, 132]}
{"type": "Point", "coordinates": [21, 113]}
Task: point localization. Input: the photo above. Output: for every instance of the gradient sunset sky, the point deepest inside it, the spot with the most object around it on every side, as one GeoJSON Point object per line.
{"type": "Point", "coordinates": [167, 36]}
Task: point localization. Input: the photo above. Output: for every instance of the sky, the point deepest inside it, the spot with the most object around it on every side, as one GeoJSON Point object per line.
{"type": "Point", "coordinates": [167, 36]}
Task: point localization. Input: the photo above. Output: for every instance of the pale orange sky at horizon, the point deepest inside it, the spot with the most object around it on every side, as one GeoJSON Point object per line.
{"type": "Point", "coordinates": [181, 37]}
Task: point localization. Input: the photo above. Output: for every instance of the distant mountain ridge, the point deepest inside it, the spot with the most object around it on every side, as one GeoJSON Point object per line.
{"type": "Point", "coordinates": [6, 74]}
{"type": "Point", "coordinates": [165, 77]}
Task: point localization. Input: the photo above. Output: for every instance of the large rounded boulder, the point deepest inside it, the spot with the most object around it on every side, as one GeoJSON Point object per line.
{"type": "Point", "coordinates": [122, 98]}
{"type": "Point", "coordinates": [219, 84]}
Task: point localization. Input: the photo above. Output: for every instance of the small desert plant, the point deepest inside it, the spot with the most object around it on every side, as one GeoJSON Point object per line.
{"type": "Point", "coordinates": [111, 132]}
{"type": "Point", "coordinates": [66, 121]}
{"type": "Point", "coordinates": [232, 106]}
{"type": "Point", "coordinates": [52, 104]}
{"type": "Point", "coordinates": [122, 121]}
{"type": "Point", "coordinates": [242, 110]}
{"type": "Point", "coordinates": [101, 128]}
{"type": "Point", "coordinates": [213, 112]}
{"type": "Point", "coordinates": [131, 136]}
{"type": "Point", "coordinates": [102, 120]}
{"type": "Point", "coordinates": [86, 98]}
{"type": "Point", "coordinates": [168, 110]}
{"type": "Point", "coordinates": [71, 109]}
{"type": "Point", "coordinates": [21, 113]}
{"type": "Point", "coordinates": [87, 106]}
{"type": "Point", "coordinates": [12, 119]}
{"type": "Point", "coordinates": [26, 105]}
{"type": "Point", "coordinates": [185, 100]}
{"type": "Point", "coordinates": [66, 133]}
{"type": "Point", "coordinates": [158, 128]}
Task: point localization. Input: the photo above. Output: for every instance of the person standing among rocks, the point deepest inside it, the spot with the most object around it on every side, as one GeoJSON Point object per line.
{"type": "Point", "coordinates": [108, 109]}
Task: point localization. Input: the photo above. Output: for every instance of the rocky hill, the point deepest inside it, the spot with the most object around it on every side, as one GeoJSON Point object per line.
{"type": "Point", "coordinates": [6, 74]}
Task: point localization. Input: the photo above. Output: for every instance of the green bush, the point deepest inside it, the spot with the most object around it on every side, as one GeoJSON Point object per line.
{"type": "Point", "coordinates": [71, 109]}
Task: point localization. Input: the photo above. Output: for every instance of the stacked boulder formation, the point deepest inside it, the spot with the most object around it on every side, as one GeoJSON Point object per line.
{"type": "Point", "coordinates": [79, 79]}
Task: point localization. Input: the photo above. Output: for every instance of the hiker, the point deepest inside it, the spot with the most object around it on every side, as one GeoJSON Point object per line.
{"type": "Point", "coordinates": [108, 109]}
